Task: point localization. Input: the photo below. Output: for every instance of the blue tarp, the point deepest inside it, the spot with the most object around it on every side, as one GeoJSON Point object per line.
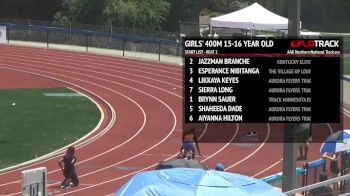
{"type": "Point", "coordinates": [193, 182]}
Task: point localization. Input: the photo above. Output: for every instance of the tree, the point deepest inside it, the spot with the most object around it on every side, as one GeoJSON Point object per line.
{"type": "Point", "coordinates": [34, 9]}
{"type": "Point", "coordinates": [84, 11]}
{"type": "Point", "coordinates": [133, 13]}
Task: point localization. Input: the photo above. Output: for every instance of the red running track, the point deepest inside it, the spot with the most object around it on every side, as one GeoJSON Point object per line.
{"type": "Point", "coordinates": [142, 104]}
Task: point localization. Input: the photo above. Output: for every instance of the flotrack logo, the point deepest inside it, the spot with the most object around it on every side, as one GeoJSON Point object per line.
{"type": "Point", "coordinates": [314, 43]}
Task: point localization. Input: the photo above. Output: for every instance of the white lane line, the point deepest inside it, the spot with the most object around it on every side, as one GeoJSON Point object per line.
{"type": "Point", "coordinates": [127, 175]}
{"type": "Point", "coordinates": [247, 157]}
{"type": "Point", "coordinates": [79, 145]}
{"type": "Point", "coordinates": [129, 63]}
{"type": "Point", "coordinates": [114, 92]}
{"type": "Point", "coordinates": [174, 116]}
{"type": "Point", "coordinates": [39, 60]}
{"type": "Point", "coordinates": [271, 166]}
{"type": "Point", "coordinates": [56, 69]}
{"type": "Point", "coordinates": [112, 165]}
{"type": "Point", "coordinates": [346, 113]}
{"type": "Point", "coordinates": [252, 153]}
{"type": "Point", "coordinates": [330, 129]}
{"type": "Point", "coordinates": [12, 168]}
{"type": "Point", "coordinates": [95, 77]}
{"type": "Point", "coordinates": [222, 148]}
{"type": "Point", "coordinates": [92, 56]}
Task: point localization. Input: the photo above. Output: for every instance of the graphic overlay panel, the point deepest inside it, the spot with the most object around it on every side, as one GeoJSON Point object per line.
{"type": "Point", "coordinates": [261, 81]}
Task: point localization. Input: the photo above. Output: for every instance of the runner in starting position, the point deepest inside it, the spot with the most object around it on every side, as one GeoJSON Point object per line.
{"type": "Point", "coordinates": [188, 138]}
{"type": "Point", "coordinates": [68, 169]}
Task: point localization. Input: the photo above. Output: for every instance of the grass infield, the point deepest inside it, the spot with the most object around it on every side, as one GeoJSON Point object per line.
{"type": "Point", "coordinates": [33, 124]}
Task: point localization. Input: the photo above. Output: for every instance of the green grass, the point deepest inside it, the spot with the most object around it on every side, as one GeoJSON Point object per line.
{"type": "Point", "coordinates": [38, 124]}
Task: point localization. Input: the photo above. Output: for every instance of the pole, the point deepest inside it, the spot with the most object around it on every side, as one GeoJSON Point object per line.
{"type": "Point", "coordinates": [293, 18]}
{"type": "Point", "coordinates": [110, 38]}
{"type": "Point", "coordinates": [177, 47]}
{"type": "Point", "coordinates": [28, 29]}
{"type": "Point", "coordinates": [86, 42]}
{"type": "Point", "coordinates": [123, 47]}
{"type": "Point", "coordinates": [8, 34]}
{"type": "Point", "coordinates": [290, 147]}
{"type": "Point", "coordinates": [70, 31]}
{"type": "Point", "coordinates": [179, 27]}
{"type": "Point", "coordinates": [159, 45]}
{"type": "Point", "coordinates": [47, 38]}
{"type": "Point", "coordinates": [289, 158]}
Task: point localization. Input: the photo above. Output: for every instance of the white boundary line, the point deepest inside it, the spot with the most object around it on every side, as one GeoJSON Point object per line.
{"type": "Point", "coordinates": [128, 87]}
{"type": "Point", "coordinates": [83, 53]}
{"type": "Point", "coordinates": [271, 166]}
{"type": "Point", "coordinates": [96, 85]}
{"type": "Point", "coordinates": [97, 66]}
{"type": "Point", "coordinates": [124, 176]}
{"type": "Point", "coordinates": [150, 166]}
{"type": "Point", "coordinates": [15, 167]}
{"type": "Point", "coordinates": [222, 148]}
{"type": "Point", "coordinates": [206, 124]}
{"type": "Point", "coordinates": [255, 151]}
{"type": "Point", "coordinates": [74, 58]}
{"type": "Point", "coordinates": [95, 77]}
{"type": "Point", "coordinates": [102, 73]}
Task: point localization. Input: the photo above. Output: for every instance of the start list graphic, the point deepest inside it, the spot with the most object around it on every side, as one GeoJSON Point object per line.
{"type": "Point", "coordinates": [262, 80]}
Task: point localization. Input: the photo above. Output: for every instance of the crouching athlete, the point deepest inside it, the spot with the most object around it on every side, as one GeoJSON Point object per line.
{"type": "Point", "coordinates": [68, 169]}
{"type": "Point", "coordinates": [188, 138]}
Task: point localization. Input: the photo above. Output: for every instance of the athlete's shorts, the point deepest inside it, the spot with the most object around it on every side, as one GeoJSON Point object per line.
{"type": "Point", "coordinates": [188, 145]}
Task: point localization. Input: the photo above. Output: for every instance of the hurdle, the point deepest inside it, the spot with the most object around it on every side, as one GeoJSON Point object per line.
{"type": "Point", "coordinates": [34, 182]}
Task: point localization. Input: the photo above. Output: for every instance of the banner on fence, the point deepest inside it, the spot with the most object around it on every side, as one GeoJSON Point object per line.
{"type": "Point", "coordinates": [3, 34]}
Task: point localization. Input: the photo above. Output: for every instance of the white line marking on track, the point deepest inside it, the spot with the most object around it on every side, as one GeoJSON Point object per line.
{"type": "Point", "coordinates": [57, 152]}
{"type": "Point", "coordinates": [331, 130]}
{"type": "Point", "coordinates": [39, 60]}
{"type": "Point", "coordinates": [247, 157]}
{"type": "Point", "coordinates": [174, 116]}
{"type": "Point", "coordinates": [174, 155]}
{"type": "Point", "coordinates": [222, 148]}
{"type": "Point", "coordinates": [271, 166]}
{"type": "Point", "coordinates": [130, 64]}
{"type": "Point", "coordinates": [4, 171]}
{"type": "Point", "coordinates": [98, 77]}
{"type": "Point", "coordinates": [127, 175]}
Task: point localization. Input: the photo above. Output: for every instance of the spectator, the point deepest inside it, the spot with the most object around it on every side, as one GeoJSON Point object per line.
{"type": "Point", "coordinates": [346, 161]}
{"type": "Point", "coordinates": [323, 190]}
{"type": "Point", "coordinates": [219, 167]}
{"type": "Point", "coordinates": [304, 138]}
{"type": "Point", "coordinates": [334, 169]}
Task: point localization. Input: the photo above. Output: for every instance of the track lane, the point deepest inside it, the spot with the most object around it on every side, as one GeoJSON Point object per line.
{"type": "Point", "coordinates": [105, 70]}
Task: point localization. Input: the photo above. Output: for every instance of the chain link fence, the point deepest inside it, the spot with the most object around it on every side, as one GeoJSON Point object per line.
{"type": "Point", "coordinates": [126, 43]}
